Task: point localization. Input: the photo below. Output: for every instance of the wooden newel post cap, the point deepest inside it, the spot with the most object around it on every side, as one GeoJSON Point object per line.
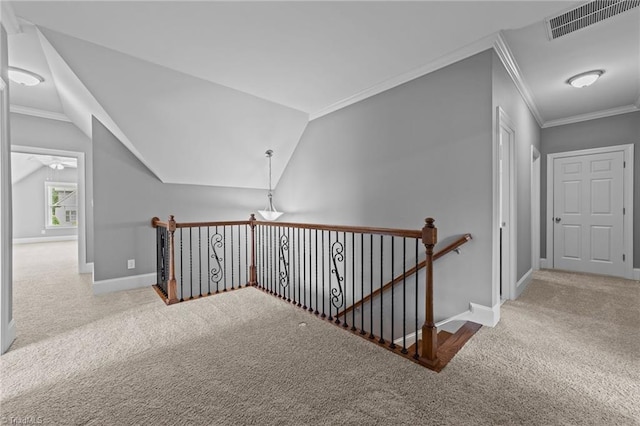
{"type": "Point", "coordinates": [154, 221]}
{"type": "Point", "coordinates": [429, 233]}
{"type": "Point", "coordinates": [172, 223]}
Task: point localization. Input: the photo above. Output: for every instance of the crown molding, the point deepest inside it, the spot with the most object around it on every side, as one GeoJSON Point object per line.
{"type": "Point", "coordinates": [35, 112]}
{"type": "Point", "coordinates": [591, 116]}
{"type": "Point", "coordinates": [456, 56]}
{"type": "Point", "coordinates": [506, 56]}
{"type": "Point", "coordinates": [9, 20]}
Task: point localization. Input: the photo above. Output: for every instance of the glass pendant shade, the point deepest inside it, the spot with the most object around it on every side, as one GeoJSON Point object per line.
{"type": "Point", "coordinates": [270, 213]}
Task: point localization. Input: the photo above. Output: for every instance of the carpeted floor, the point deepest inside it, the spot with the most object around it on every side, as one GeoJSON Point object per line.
{"type": "Point", "coordinates": [566, 353]}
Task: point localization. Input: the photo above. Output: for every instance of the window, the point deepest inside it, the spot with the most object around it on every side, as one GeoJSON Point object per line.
{"type": "Point", "coordinates": [61, 205]}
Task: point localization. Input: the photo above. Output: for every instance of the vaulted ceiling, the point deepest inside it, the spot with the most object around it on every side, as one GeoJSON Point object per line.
{"type": "Point", "coordinates": [199, 90]}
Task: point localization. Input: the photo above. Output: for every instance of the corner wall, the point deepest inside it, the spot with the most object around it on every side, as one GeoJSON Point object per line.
{"type": "Point", "coordinates": [609, 131]}
{"type": "Point", "coordinates": [420, 149]}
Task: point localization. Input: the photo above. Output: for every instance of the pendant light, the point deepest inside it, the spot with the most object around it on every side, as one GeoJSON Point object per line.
{"type": "Point", "coordinates": [270, 213]}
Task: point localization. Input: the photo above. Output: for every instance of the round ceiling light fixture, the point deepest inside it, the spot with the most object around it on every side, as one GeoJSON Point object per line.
{"type": "Point", "coordinates": [24, 77]}
{"type": "Point", "coordinates": [585, 79]}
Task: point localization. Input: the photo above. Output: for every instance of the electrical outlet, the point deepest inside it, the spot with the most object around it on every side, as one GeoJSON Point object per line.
{"type": "Point", "coordinates": [131, 264]}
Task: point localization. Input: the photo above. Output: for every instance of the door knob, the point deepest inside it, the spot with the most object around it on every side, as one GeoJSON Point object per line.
{"type": "Point", "coordinates": [558, 219]}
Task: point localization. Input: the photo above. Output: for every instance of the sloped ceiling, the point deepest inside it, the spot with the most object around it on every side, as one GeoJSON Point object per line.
{"type": "Point", "coordinates": [199, 90]}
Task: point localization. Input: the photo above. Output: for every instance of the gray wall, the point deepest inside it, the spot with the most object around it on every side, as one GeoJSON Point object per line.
{"type": "Point", "coordinates": [617, 130]}
{"type": "Point", "coordinates": [506, 96]}
{"type": "Point", "coordinates": [52, 134]}
{"type": "Point", "coordinates": [127, 195]}
{"type": "Point", "coordinates": [417, 150]}
{"type": "Point", "coordinates": [28, 204]}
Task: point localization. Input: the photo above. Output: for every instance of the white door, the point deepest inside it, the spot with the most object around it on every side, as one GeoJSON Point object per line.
{"type": "Point", "coordinates": [588, 213]}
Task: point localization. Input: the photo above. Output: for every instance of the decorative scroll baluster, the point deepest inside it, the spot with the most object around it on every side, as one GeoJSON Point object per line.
{"type": "Point", "coordinates": [284, 256]}
{"type": "Point", "coordinates": [337, 294]}
{"type": "Point", "coordinates": [217, 272]}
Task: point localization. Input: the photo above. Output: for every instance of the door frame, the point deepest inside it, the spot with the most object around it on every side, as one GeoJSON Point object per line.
{"type": "Point", "coordinates": [84, 267]}
{"type": "Point", "coordinates": [508, 287]}
{"type": "Point", "coordinates": [535, 208]}
{"type": "Point", "coordinates": [627, 219]}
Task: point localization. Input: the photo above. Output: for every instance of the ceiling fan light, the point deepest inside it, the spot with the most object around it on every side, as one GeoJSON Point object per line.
{"type": "Point", "coordinates": [585, 79]}
{"type": "Point", "coordinates": [24, 77]}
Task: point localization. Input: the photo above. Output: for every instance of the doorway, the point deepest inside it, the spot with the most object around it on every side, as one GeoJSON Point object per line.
{"type": "Point", "coordinates": [507, 209]}
{"type": "Point", "coordinates": [589, 203]}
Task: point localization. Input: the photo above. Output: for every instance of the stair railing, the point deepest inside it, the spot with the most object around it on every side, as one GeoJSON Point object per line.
{"type": "Point", "coordinates": [322, 269]}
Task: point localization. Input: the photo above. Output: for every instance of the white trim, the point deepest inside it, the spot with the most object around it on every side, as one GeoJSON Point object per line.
{"type": "Point", "coordinates": [535, 207]}
{"type": "Point", "coordinates": [453, 57]}
{"type": "Point", "coordinates": [636, 274]}
{"type": "Point", "coordinates": [82, 214]}
{"type": "Point", "coordinates": [591, 116]}
{"type": "Point", "coordinates": [523, 282]}
{"type": "Point", "coordinates": [627, 202]}
{"type": "Point", "coordinates": [7, 339]}
{"type": "Point", "coordinates": [41, 113]}
{"type": "Point", "coordinates": [479, 314]}
{"type": "Point", "coordinates": [503, 51]}
{"type": "Point", "coordinates": [87, 268]}
{"type": "Point", "coordinates": [124, 283]}
{"type": "Point", "coordinates": [543, 263]}
{"type": "Point", "coordinates": [508, 290]}
{"type": "Point", "coordinates": [53, 239]}
{"type": "Point", "coordinates": [9, 20]}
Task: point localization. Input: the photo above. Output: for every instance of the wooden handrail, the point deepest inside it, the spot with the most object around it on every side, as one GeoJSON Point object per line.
{"type": "Point", "coordinates": [408, 233]}
{"type": "Point", "coordinates": [451, 247]}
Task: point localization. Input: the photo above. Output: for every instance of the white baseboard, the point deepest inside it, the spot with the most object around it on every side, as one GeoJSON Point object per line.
{"type": "Point", "coordinates": [7, 339]}
{"type": "Point", "coordinates": [636, 274]}
{"type": "Point", "coordinates": [543, 264]}
{"type": "Point", "coordinates": [33, 240]}
{"type": "Point", "coordinates": [87, 268]}
{"type": "Point", "coordinates": [124, 283]}
{"type": "Point", "coordinates": [479, 314]}
{"type": "Point", "coordinates": [523, 282]}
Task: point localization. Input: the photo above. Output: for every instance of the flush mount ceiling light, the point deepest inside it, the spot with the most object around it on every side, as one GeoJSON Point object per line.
{"type": "Point", "coordinates": [24, 77]}
{"type": "Point", "coordinates": [270, 213]}
{"type": "Point", "coordinates": [585, 79]}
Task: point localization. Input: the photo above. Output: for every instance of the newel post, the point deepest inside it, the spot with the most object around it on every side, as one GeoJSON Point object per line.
{"type": "Point", "coordinates": [253, 274]}
{"type": "Point", "coordinates": [172, 295]}
{"type": "Point", "coordinates": [429, 331]}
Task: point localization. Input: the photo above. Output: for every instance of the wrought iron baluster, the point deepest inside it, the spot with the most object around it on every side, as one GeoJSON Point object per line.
{"type": "Point", "coordinates": [284, 262]}
{"type": "Point", "coordinates": [381, 341]}
{"type": "Point", "coordinates": [288, 265]}
{"type": "Point", "coordinates": [190, 264]}
{"type": "Point", "coordinates": [217, 271]}
{"type": "Point", "coordinates": [337, 293]}
{"type": "Point", "coordinates": [316, 243]}
{"type": "Point", "coordinates": [208, 260]}
{"type": "Point", "coordinates": [200, 258]}
{"type": "Point", "coordinates": [304, 269]}
{"type": "Point", "coordinates": [323, 269]}
{"type": "Point", "coordinates": [239, 258]}
{"type": "Point", "coordinates": [392, 345]}
{"type": "Point", "coordinates": [404, 296]}
{"type": "Point", "coordinates": [344, 271]}
{"type": "Point", "coordinates": [416, 353]}
{"type": "Point", "coordinates": [353, 281]}
{"type": "Point", "coordinates": [224, 257]}
{"type": "Point", "coordinates": [231, 256]}
{"type": "Point", "coordinates": [362, 331]}
{"type": "Point", "coordinates": [371, 335]}
{"type": "Point", "coordinates": [181, 275]}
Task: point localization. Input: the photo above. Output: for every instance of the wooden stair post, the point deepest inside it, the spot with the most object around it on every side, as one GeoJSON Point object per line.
{"type": "Point", "coordinates": [253, 275]}
{"type": "Point", "coordinates": [172, 295]}
{"type": "Point", "coordinates": [429, 330]}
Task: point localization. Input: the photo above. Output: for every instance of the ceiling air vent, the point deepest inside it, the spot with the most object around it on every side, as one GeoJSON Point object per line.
{"type": "Point", "coordinates": [587, 14]}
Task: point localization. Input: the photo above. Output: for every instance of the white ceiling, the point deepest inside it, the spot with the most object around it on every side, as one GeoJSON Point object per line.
{"type": "Point", "coordinates": [199, 90]}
